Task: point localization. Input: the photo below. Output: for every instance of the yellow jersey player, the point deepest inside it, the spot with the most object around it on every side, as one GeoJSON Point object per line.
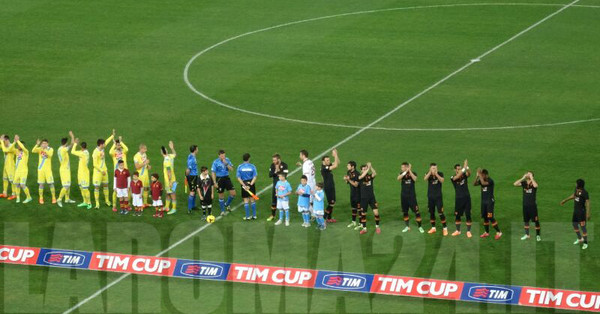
{"type": "Point", "coordinates": [83, 172]}
{"type": "Point", "coordinates": [65, 170]}
{"type": "Point", "coordinates": [8, 174]}
{"type": "Point", "coordinates": [21, 170]}
{"type": "Point", "coordinates": [118, 151]}
{"type": "Point", "coordinates": [100, 174]}
{"type": "Point", "coordinates": [142, 166]}
{"type": "Point", "coordinates": [170, 181]}
{"type": "Point", "coordinates": [45, 168]}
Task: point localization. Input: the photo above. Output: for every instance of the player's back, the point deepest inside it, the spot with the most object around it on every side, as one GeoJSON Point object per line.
{"type": "Point", "coordinates": [63, 158]}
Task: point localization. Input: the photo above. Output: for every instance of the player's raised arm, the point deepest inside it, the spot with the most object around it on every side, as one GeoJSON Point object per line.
{"type": "Point", "coordinates": [533, 182]}
{"type": "Point", "coordinates": [18, 141]}
{"type": "Point", "coordinates": [336, 160]}
{"type": "Point", "coordinates": [36, 148]}
{"type": "Point", "coordinates": [172, 147]}
{"type": "Point", "coordinates": [428, 174]}
{"type": "Point", "coordinates": [110, 138]}
{"type": "Point", "coordinates": [518, 182]}
{"type": "Point", "coordinates": [373, 172]}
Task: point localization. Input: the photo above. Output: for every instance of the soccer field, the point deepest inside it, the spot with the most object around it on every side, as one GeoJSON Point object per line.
{"type": "Point", "coordinates": [511, 87]}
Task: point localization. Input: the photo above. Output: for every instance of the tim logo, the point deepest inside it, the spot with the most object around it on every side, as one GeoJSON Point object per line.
{"type": "Point", "coordinates": [202, 270]}
{"type": "Point", "coordinates": [345, 282]}
{"type": "Point", "coordinates": [491, 294]}
{"type": "Point", "coordinates": [64, 259]}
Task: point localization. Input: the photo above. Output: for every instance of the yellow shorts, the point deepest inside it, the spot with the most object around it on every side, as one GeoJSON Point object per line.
{"type": "Point", "coordinates": [20, 178]}
{"type": "Point", "coordinates": [65, 177]}
{"type": "Point", "coordinates": [98, 178]}
{"type": "Point", "coordinates": [45, 176]}
{"type": "Point", "coordinates": [145, 180]}
{"type": "Point", "coordinates": [83, 178]}
{"type": "Point", "coordinates": [8, 173]}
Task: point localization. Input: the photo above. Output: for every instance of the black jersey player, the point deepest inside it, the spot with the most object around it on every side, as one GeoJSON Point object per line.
{"type": "Point", "coordinates": [328, 183]}
{"type": "Point", "coordinates": [487, 203]}
{"type": "Point", "coordinates": [351, 179]}
{"type": "Point", "coordinates": [581, 212]}
{"type": "Point", "coordinates": [435, 200]}
{"type": "Point", "coordinates": [408, 196]}
{"type": "Point", "coordinates": [530, 210]}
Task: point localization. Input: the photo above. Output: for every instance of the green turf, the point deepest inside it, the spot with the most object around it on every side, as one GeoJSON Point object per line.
{"type": "Point", "coordinates": [93, 66]}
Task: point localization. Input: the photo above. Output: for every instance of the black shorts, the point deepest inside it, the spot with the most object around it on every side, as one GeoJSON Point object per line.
{"type": "Point", "coordinates": [224, 184]}
{"type": "Point", "coordinates": [462, 205]}
{"type": "Point", "coordinates": [366, 202]}
{"type": "Point", "coordinates": [487, 210]}
{"type": "Point", "coordinates": [530, 213]}
{"type": "Point", "coordinates": [579, 216]}
{"type": "Point", "coordinates": [409, 202]}
{"type": "Point", "coordinates": [433, 203]}
{"type": "Point", "coordinates": [192, 183]}
{"type": "Point", "coordinates": [245, 193]}
{"type": "Point", "coordinates": [355, 203]}
{"type": "Point", "coordinates": [330, 194]}
{"type": "Point", "coordinates": [207, 201]}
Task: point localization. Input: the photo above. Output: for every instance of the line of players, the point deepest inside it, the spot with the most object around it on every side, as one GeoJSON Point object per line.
{"type": "Point", "coordinates": [362, 195]}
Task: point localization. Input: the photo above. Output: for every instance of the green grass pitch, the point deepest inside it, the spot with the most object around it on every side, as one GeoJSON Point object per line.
{"type": "Point", "coordinates": [93, 66]}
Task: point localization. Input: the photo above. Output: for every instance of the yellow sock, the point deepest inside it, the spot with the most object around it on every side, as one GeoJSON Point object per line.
{"type": "Point", "coordinates": [53, 192]}
{"type": "Point", "coordinates": [88, 196]}
{"type": "Point", "coordinates": [97, 196]}
{"type": "Point", "coordinates": [67, 192]}
{"type": "Point", "coordinates": [174, 206]}
{"type": "Point", "coordinates": [5, 186]}
{"type": "Point", "coordinates": [41, 192]}
{"type": "Point", "coordinates": [18, 192]}
{"type": "Point", "coordinates": [114, 197]}
{"type": "Point", "coordinates": [167, 203]}
{"type": "Point", "coordinates": [63, 191]}
{"type": "Point", "coordinates": [106, 194]}
{"type": "Point", "coordinates": [14, 189]}
{"type": "Point", "coordinates": [145, 199]}
{"type": "Point", "coordinates": [26, 190]}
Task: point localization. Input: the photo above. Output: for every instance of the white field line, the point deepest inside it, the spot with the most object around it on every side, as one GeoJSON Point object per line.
{"type": "Point", "coordinates": [222, 104]}
{"type": "Point", "coordinates": [353, 135]}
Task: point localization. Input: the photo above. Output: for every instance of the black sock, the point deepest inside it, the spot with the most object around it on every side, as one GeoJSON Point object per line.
{"type": "Point", "coordinates": [527, 229]}
{"type": "Point", "coordinates": [376, 220]}
{"type": "Point", "coordinates": [468, 225]}
{"type": "Point", "coordinates": [537, 228]}
{"type": "Point", "coordinates": [354, 214]}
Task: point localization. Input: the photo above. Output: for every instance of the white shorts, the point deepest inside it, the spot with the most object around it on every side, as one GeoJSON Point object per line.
{"type": "Point", "coordinates": [302, 209]}
{"type": "Point", "coordinates": [283, 204]}
{"type": "Point", "coordinates": [319, 212]}
{"type": "Point", "coordinates": [137, 200]}
{"type": "Point", "coordinates": [157, 203]}
{"type": "Point", "coordinates": [122, 193]}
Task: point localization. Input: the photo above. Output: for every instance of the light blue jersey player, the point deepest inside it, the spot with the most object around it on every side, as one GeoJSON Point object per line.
{"type": "Point", "coordinates": [319, 205]}
{"type": "Point", "coordinates": [304, 192]}
{"type": "Point", "coordinates": [283, 189]}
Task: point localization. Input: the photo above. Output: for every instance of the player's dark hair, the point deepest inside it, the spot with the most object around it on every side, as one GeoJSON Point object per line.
{"type": "Point", "coordinates": [117, 141]}
{"type": "Point", "coordinates": [363, 166]}
{"type": "Point", "coordinates": [457, 165]}
{"type": "Point", "coordinates": [136, 174]}
{"type": "Point", "coordinates": [163, 150]}
{"type": "Point", "coordinates": [320, 184]}
{"type": "Point", "coordinates": [432, 164]}
{"type": "Point", "coordinates": [203, 168]}
{"type": "Point", "coordinates": [64, 140]}
{"type": "Point", "coordinates": [155, 175]}
{"type": "Point", "coordinates": [352, 163]}
{"type": "Point", "coordinates": [246, 157]}
{"type": "Point", "coordinates": [484, 171]}
{"type": "Point", "coordinates": [83, 145]}
{"type": "Point", "coordinates": [323, 158]}
{"type": "Point", "coordinates": [304, 152]}
{"type": "Point", "coordinates": [277, 156]}
{"type": "Point", "coordinates": [100, 142]}
{"type": "Point", "coordinates": [304, 177]}
{"type": "Point", "coordinates": [282, 174]}
{"type": "Point", "coordinates": [120, 161]}
{"type": "Point", "coordinates": [45, 140]}
{"type": "Point", "coordinates": [580, 183]}
{"type": "Point", "coordinates": [193, 148]}
{"type": "Point", "coordinates": [221, 151]}
{"type": "Point", "coordinates": [405, 163]}
{"type": "Point", "coordinates": [6, 137]}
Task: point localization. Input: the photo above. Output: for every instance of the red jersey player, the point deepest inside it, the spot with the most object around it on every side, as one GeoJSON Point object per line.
{"type": "Point", "coordinates": [156, 189]}
{"type": "Point", "coordinates": [122, 180]}
{"type": "Point", "coordinates": [136, 193]}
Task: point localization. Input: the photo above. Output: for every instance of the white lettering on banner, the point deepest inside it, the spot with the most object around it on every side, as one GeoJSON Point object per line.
{"type": "Point", "coordinates": [15, 255]}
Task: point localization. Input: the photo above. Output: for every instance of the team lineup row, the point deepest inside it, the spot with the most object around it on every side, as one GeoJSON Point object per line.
{"type": "Point", "coordinates": [311, 196]}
